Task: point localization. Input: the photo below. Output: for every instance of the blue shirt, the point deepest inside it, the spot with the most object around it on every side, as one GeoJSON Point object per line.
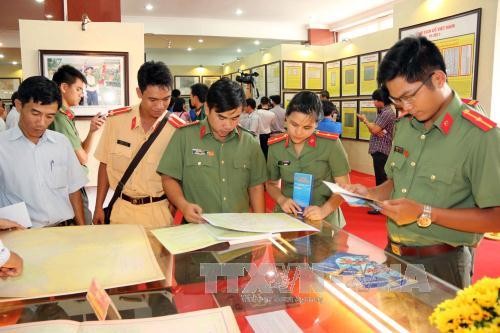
{"type": "Point", "coordinates": [328, 125]}
{"type": "Point", "coordinates": [42, 175]}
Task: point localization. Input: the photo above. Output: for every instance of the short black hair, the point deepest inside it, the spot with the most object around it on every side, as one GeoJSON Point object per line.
{"type": "Point", "coordinates": [325, 93]}
{"type": "Point", "coordinates": [305, 102]}
{"type": "Point", "coordinates": [200, 90]}
{"type": "Point", "coordinates": [179, 104]}
{"type": "Point", "coordinates": [225, 95]}
{"type": "Point", "coordinates": [251, 103]}
{"type": "Point", "coordinates": [276, 99]}
{"type": "Point", "coordinates": [328, 108]}
{"type": "Point", "coordinates": [412, 58]}
{"type": "Point", "coordinates": [264, 100]}
{"type": "Point", "coordinates": [176, 93]}
{"type": "Point", "coordinates": [382, 95]}
{"type": "Point", "coordinates": [154, 73]}
{"type": "Point", "coordinates": [13, 98]}
{"type": "Point", "coordinates": [68, 74]}
{"type": "Point", "coordinates": [39, 89]}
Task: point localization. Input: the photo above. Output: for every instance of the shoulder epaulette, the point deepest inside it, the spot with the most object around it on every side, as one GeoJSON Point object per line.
{"type": "Point", "coordinates": [276, 139]}
{"type": "Point", "coordinates": [479, 120]}
{"type": "Point", "coordinates": [241, 128]}
{"type": "Point", "coordinates": [471, 102]}
{"type": "Point", "coordinates": [178, 122]}
{"type": "Point", "coordinates": [118, 111]}
{"type": "Point", "coordinates": [327, 135]}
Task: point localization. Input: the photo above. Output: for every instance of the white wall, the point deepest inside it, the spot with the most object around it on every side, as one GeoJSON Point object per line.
{"type": "Point", "coordinates": [58, 35]}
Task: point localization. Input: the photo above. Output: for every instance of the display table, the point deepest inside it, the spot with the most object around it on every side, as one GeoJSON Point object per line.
{"type": "Point", "coordinates": [331, 281]}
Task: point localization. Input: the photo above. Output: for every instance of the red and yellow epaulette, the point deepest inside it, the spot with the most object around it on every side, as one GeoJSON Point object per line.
{"type": "Point", "coordinates": [276, 139]}
{"type": "Point", "coordinates": [471, 102]}
{"type": "Point", "coordinates": [479, 120]}
{"type": "Point", "coordinates": [178, 122]}
{"type": "Point", "coordinates": [327, 135]}
{"type": "Point", "coordinates": [118, 111]}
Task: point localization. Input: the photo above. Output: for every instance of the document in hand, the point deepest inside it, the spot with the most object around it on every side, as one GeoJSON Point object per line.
{"type": "Point", "coordinates": [17, 213]}
{"type": "Point", "coordinates": [353, 199]}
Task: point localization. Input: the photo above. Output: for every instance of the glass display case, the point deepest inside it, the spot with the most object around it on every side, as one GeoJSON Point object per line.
{"type": "Point", "coordinates": [328, 281]}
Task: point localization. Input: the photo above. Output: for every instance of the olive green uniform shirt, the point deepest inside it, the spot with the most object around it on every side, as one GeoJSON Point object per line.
{"type": "Point", "coordinates": [454, 164]}
{"type": "Point", "coordinates": [215, 175]}
{"type": "Point", "coordinates": [321, 157]}
{"type": "Point", "coordinates": [64, 123]}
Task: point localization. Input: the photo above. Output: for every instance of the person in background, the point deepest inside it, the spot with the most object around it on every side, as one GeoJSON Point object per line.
{"type": "Point", "coordinates": [197, 100]}
{"type": "Point", "coordinates": [45, 173]}
{"type": "Point", "coordinates": [443, 187]}
{"type": "Point", "coordinates": [266, 121]}
{"type": "Point", "coordinates": [11, 264]}
{"type": "Point", "coordinates": [251, 121]}
{"type": "Point", "coordinates": [176, 93]}
{"type": "Point", "coordinates": [213, 166]}
{"type": "Point", "coordinates": [328, 123]}
{"type": "Point", "coordinates": [71, 83]}
{"type": "Point", "coordinates": [180, 110]}
{"type": "Point", "coordinates": [305, 150]}
{"type": "Point", "coordinates": [91, 87]}
{"type": "Point", "coordinates": [381, 130]}
{"type": "Point", "coordinates": [279, 125]}
{"type": "Point", "coordinates": [13, 115]}
{"type": "Point", "coordinates": [324, 95]}
{"type": "Point", "coordinates": [3, 116]}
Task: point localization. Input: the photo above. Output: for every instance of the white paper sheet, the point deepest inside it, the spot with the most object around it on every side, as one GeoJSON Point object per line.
{"type": "Point", "coordinates": [352, 198]}
{"type": "Point", "coordinates": [17, 213]}
{"type": "Point", "coordinates": [273, 322]}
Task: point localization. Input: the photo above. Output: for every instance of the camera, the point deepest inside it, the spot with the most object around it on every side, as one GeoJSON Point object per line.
{"type": "Point", "coordinates": [247, 78]}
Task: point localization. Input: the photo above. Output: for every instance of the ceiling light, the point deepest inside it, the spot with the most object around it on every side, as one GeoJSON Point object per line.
{"type": "Point", "coordinates": [238, 12]}
{"type": "Point", "coordinates": [1, 44]}
{"type": "Point", "coordinates": [39, 1]}
{"type": "Point", "coordinates": [190, 49]}
{"type": "Point", "coordinates": [14, 63]}
{"type": "Point", "coordinates": [49, 16]}
{"type": "Point", "coordinates": [169, 45]}
{"type": "Point", "coordinates": [149, 6]}
{"type": "Point", "coordinates": [238, 50]}
{"type": "Point", "coordinates": [200, 40]}
{"type": "Point", "coordinates": [1, 56]}
{"type": "Point", "coordinates": [257, 42]}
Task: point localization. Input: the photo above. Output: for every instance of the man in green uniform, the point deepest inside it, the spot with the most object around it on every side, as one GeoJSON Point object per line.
{"type": "Point", "coordinates": [71, 83]}
{"type": "Point", "coordinates": [443, 170]}
{"type": "Point", "coordinates": [213, 166]}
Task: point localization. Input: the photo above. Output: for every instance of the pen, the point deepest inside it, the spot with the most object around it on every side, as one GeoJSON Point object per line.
{"type": "Point", "coordinates": [51, 165]}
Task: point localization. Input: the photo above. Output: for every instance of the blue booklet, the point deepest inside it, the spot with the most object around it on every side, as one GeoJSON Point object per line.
{"type": "Point", "coordinates": [302, 189]}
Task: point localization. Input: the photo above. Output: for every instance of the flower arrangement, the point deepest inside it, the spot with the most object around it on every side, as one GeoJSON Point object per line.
{"type": "Point", "coordinates": [474, 309]}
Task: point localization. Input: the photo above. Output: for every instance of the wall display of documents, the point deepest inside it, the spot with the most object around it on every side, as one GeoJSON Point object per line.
{"type": "Point", "coordinates": [260, 80]}
{"type": "Point", "coordinates": [292, 75]}
{"type": "Point", "coordinates": [287, 97]}
{"type": "Point", "coordinates": [370, 111]}
{"type": "Point", "coordinates": [210, 320]}
{"type": "Point", "coordinates": [314, 75]}
{"type": "Point", "coordinates": [368, 67]}
{"type": "Point", "coordinates": [457, 37]}
{"type": "Point", "coordinates": [349, 69]}
{"type": "Point", "coordinates": [258, 222]}
{"type": "Point", "coordinates": [348, 110]}
{"type": "Point", "coordinates": [273, 78]}
{"type": "Point", "coordinates": [333, 78]}
{"type": "Point", "coordinates": [63, 261]}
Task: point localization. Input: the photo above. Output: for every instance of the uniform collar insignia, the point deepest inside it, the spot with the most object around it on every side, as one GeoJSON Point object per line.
{"type": "Point", "coordinates": [203, 131]}
{"type": "Point", "coordinates": [446, 123]}
{"type": "Point", "coordinates": [67, 112]}
{"type": "Point", "coordinates": [312, 141]}
{"type": "Point", "coordinates": [134, 123]}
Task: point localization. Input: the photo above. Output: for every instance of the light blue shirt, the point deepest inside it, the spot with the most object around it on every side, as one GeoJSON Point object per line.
{"type": "Point", "coordinates": [2, 125]}
{"type": "Point", "coordinates": [41, 175]}
{"type": "Point", "coordinates": [12, 118]}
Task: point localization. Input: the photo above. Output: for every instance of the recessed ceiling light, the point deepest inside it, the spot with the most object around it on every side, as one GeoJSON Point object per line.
{"type": "Point", "coordinates": [1, 56]}
{"type": "Point", "coordinates": [238, 50]}
{"type": "Point", "coordinates": [238, 12]}
{"type": "Point", "coordinates": [14, 63]}
{"type": "Point", "coordinates": [257, 42]}
{"type": "Point", "coordinates": [1, 44]}
{"type": "Point", "coordinates": [200, 40]}
{"type": "Point", "coordinates": [149, 6]}
{"type": "Point", "coordinates": [39, 1]}
{"type": "Point", "coordinates": [190, 49]}
{"type": "Point", "coordinates": [49, 16]}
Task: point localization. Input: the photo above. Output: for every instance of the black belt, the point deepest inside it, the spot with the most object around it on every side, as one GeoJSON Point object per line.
{"type": "Point", "coordinates": [143, 200]}
{"type": "Point", "coordinates": [420, 251]}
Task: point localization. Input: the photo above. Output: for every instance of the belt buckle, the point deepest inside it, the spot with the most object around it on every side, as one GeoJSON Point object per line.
{"type": "Point", "coordinates": [396, 249]}
{"type": "Point", "coordinates": [135, 201]}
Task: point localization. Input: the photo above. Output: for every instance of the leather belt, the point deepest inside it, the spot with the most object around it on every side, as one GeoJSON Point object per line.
{"type": "Point", "coordinates": [420, 251]}
{"type": "Point", "coordinates": [143, 200]}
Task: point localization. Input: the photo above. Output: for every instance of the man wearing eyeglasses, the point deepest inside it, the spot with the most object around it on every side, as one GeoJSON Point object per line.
{"type": "Point", "coordinates": [443, 187]}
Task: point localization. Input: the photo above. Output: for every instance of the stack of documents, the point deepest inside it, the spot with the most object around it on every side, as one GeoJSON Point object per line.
{"type": "Point", "coordinates": [353, 199]}
{"type": "Point", "coordinates": [227, 229]}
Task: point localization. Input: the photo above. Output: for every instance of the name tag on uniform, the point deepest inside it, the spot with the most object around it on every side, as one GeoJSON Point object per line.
{"type": "Point", "coordinates": [284, 162]}
{"type": "Point", "coordinates": [197, 151]}
{"type": "Point", "coordinates": [399, 149]}
{"type": "Point", "coordinates": [123, 143]}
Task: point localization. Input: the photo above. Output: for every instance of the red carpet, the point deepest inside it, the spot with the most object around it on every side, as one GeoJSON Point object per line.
{"type": "Point", "coordinates": [372, 229]}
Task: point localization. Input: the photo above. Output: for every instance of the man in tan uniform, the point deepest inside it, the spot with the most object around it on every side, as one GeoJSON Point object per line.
{"type": "Point", "coordinates": [142, 200]}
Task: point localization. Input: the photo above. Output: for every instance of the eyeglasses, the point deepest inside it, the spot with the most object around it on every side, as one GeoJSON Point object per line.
{"type": "Point", "coordinates": [410, 98]}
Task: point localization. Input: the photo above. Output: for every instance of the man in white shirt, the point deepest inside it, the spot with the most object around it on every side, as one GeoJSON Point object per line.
{"type": "Point", "coordinates": [279, 125]}
{"type": "Point", "coordinates": [266, 120]}
{"type": "Point", "coordinates": [39, 166]}
{"type": "Point", "coordinates": [251, 121]}
{"type": "Point", "coordinates": [13, 115]}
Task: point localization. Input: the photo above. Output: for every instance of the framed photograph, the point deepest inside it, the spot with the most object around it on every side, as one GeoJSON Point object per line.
{"type": "Point", "coordinates": [367, 108]}
{"type": "Point", "coordinates": [293, 75]}
{"type": "Point", "coordinates": [313, 73]}
{"type": "Point", "coordinates": [106, 74]}
{"type": "Point", "coordinates": [368, 67]}
{"type": "Point", "coordinates": [273, 78]}
{"type": "Point", "coordinates": [457, 37]}
{"type": "Point", "coordinates": [333, 78]}
{"type": "Point", "coordinates": [184, 83]}
{"type": "Point", "coordinates": [349, 73]}
{"type": "Point", "coordinates": [348, 110]}
{"type": "Point", "coordinates": [8, 85]}
{"type": "Point", "coordinates": [208, 80]}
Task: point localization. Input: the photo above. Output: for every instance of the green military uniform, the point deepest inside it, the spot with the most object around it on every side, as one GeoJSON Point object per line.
{"type": "Point", "coordinates": [454, 164]}
{"type": "Point", "coordinates": [215, 175]}
{"type": "Point", "coordinates": [323, 156]}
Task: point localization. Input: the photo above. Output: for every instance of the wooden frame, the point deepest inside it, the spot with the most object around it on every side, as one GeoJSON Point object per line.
{"type": "Point", "coordinates": [311, 82]}
{"type": "Point", "coordinates": [107, 77]}
{"type": "Point", "coordinates": [184, 83]}
{"type": "Point", "coordinates": [333, 78]}
{"type": "Point", "coordinates": [367, 108]}
{"type": "Point", "coordinates": [368, 67]}
{"type": "Point", "coordinates": [349, 76]}
{"type": "Point", "coordinates": [292, 74]}
{"type": "Point", "coordinates": [208, 80]}
{"type": "Point", "coordinates": [349, 121]}
{"type": "Point", "coordinates": [8, 85]}
{"type": "Point", "coordinates": [457, 37]}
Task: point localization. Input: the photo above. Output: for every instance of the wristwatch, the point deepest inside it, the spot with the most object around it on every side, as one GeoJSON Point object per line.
{"type": "Point", "coordinates": [424, 220]}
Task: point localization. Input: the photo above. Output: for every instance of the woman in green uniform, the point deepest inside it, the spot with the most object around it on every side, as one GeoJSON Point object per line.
{"type": "Point", "coordinates": [302, 149]}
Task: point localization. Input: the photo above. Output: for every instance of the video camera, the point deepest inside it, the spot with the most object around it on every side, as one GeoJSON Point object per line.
{"type": "Point", "coordinates": [247, 78]}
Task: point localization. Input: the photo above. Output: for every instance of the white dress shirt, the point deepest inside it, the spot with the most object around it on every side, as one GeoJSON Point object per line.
{"type": "Point", "coordinates": [12, 118]}
{"type": "Point", "coordinates": [266, 120]}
